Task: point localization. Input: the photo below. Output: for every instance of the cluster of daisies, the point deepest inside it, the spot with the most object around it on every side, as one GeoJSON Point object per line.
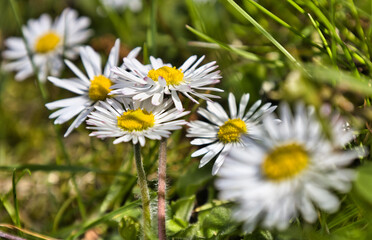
{"type": "Point", "coordinates": [275, 168]}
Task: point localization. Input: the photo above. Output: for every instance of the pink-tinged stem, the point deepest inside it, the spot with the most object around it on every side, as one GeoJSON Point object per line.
{"type": "Point", "coordinates": [162, 188]}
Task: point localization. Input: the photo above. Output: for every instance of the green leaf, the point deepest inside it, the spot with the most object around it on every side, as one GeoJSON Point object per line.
{"type": "Point", "coordinates": [129, 228]}
{"type": "Point", "coordinates": [217, 222]}
{"type": "Point", "coordinates": [192, 180]}
{"type": "Point", "coordinates": [190, 232]}
{"type": "Point", "coordinates": [211, 205]}
{"type": "Point", "coordinates": [176, 225]}
{"type": "Point", "coordinates": [182, 208]}
{"type": "Point", "coordinates": [363, 182]}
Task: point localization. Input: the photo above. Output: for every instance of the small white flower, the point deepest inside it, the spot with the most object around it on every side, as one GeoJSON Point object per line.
{"type": "Point", "coordinates": [134, 121]}
{"type": "Point", "coordinates": [133, 5]}
{"type": "Point", "coordinates": [293, 171]}
{"type": "Point", "coordinates": [90, 89]}
{"type": "Point", "coordinates": [153, 81]}
{"type": "Point", "coordinates": [223, 132]}
{"type": "Point", "coordinates": [47, 41]}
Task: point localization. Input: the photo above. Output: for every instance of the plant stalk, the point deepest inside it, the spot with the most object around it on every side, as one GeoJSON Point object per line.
{"type": "Point", "coordinates": [162, 172]}
{"type": "Point", "coordinates": [142, 182]}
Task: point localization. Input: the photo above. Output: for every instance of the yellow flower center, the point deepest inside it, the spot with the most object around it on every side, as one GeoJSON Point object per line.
{"type": "Point", "coordinates": [231, 130]}
{"type": "Point", "coordinates": [99, 88]}
{"type": "Point", "coordinates": [47, 42]}
{"type": "Point", "coordinates": [136, 120]}
{"type": "Point", "coordinates": [285, 162]}
{"type": "Point", "coordinates": [172, 76]}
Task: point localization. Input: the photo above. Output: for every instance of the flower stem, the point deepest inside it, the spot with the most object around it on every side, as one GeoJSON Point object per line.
{"type": "Point", "coordinates": [162, 188]}
{"type": "Point", "coordinates": [142, 182]}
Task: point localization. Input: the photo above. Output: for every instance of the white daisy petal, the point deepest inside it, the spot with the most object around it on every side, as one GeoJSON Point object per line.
{"type": "Point", "coordinates": [232, 106]}
{"type": "Point", "coordinates": [160, 78]}
{"type": "Point", "coordinates": [91, 61]}
{"type": "Point", "coordinates": [177, 101]}
{"type": "Point", "coordinates": [134, 122]}
{"type": "Point", "coordinates": [134, 53]}
{"type": "Point", "coordinates": [202, 141]}
{"type": "Point", "coordinates": [113, 58]}
{"type": "Point", "coordinates": [212, 151]}
{"type": "Point", "coordinates": [77, 72]}
{"type": "Point", "coordinates": [286, 173]}
{"type": "Point", "coordinates": [225, 130]}
{"type": "Point", "coordinates": [157, 98]}
{"type": "Point", "coordinates": [80, 100]}
{"type": "Point", "coordinates": [220, 159]}
{"type": "Point", "coordinates": [66, 114]}
{"type": "Point", "coordinates": [79, 119]}
{"type": "Point", "coordinates": [186, 65]}
{"type": "Point", "coordinates": [323, 198]}
{"type": "Point", "coordinates": [217, 110]}
{"type": "Point", "coordinates": [47, 41]}
{"type": "Point", "coordinates": [90, 91]}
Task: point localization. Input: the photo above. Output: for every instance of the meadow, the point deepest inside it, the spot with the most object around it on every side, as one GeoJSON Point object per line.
{"type": "Point", "coordinates": [277, 146]}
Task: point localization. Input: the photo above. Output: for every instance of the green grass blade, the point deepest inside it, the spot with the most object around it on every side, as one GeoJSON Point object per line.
{"type": "Point", "coordinates": [333, 33]}
{"type": "Point", "coordinates": [245, 54]}
{"type": "Point", "coordinates": [243, 13]}
{"type": "Point", "coordinates": [195, 15]}
{"type": "Point", "coordinates": [296, 6]}
{"type": "Point", "coordinates": [339, 78]}
{"type": "Point", "coordinates": [119, 25]}
{"type": "Point", "coordinates": [4, 198]}
{"type": "Point", "coordinates": [61, 211]}
{"type": "Point", "coordinates": [60, 168]}
{"type": "Point", "coordinates": [316, 26]}
{"type": "Point", "coordinates": [359, 29]}
{"type": "Point", "coordinates": [9, 208]}
{"type": "Point", "coordinates": [15, 201]}
{"type": "Point", "coordinates": [281, 22]}
{"type": "Point", "coordinates": [107, 217]}
{"type": "Point", "coordinates": [271, 15]}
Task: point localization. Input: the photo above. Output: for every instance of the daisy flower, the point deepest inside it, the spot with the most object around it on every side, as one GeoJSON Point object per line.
{"type": "Point", "coordinates": [222, 132]}
{"type": "Point", "coordinates": [292, 172]}
{"type": "Point", "coordinates": [133, 5]}
{"type": "Point", "coordinates": [47, 41]}
{"type": "Point", "coordinates": [90, 89]}
{"type": "Point", "coordinates": [134, 121]}
{"type": "Point", "coordinates": [153, 81]}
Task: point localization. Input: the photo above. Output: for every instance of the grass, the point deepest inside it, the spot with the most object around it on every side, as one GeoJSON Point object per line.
{"type": "Point", "coordinates": [318, 52]}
